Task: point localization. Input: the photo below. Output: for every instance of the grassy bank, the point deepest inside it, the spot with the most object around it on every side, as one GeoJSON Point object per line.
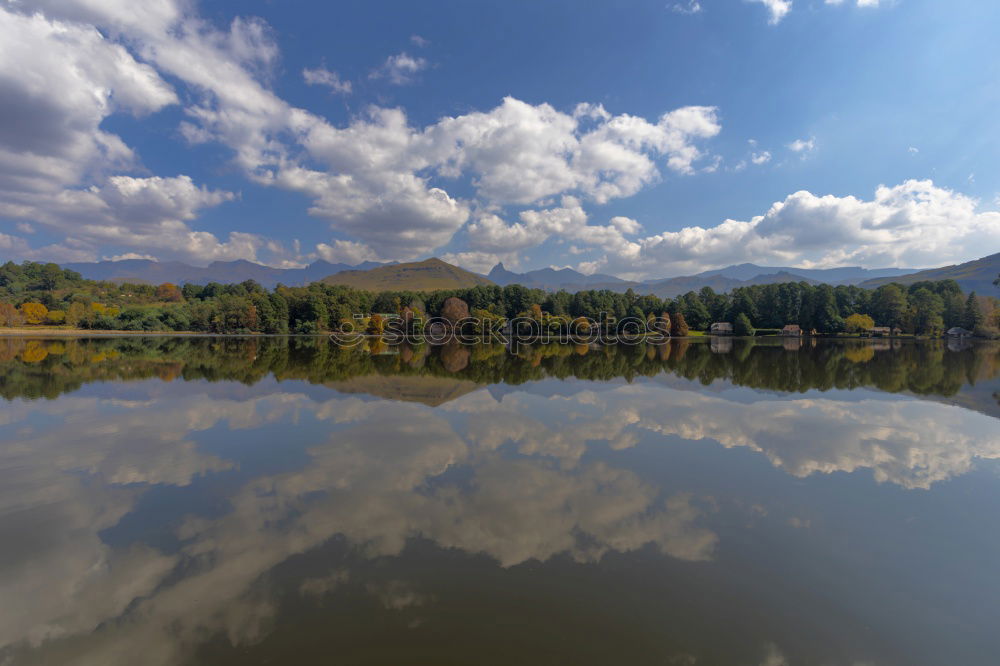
{"type": "Point", "coordinates": [29, 331]}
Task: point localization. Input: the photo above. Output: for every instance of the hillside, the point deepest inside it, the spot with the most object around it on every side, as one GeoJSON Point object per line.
{"type": "Point", "coordinates": [976, 275]}
{"type": "Point", "coordinates": [427, 275]}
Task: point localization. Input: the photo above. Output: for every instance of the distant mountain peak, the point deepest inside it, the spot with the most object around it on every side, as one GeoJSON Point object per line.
{"type": "Point", "coordinates": [427, 275]}
{"type": "Point", "coordinates": [501, 275]}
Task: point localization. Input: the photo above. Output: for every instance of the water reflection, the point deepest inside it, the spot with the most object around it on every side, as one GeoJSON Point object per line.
{"type": "Point", "coordinates": [193, 501]}
{"type": "Point", "coordinates": [47, 368]}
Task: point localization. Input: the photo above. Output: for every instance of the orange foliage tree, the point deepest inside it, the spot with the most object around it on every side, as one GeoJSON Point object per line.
{"type": "Point", "coordinates": [679, 326]}
{"type": "Point", "coordinates": [169, 292]}
{"type": "Point", "coordinates": [34, 313]}
{"type": "Point", "coordinates": [376, 325]}
{"type": "Point", "coordinates": [10, 316]}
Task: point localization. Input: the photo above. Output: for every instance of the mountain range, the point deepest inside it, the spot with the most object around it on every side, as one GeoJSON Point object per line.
{"type": "Point", "coordinates": [843, 275]}
{"type": "Point", "coordinates": [722, 279]}
{"type": "Point", "coordinates": [977, 275]}
{"type": "Point", "coordinates": [146, 271]}
{"type": "Point", "coordinates": [554, 279]}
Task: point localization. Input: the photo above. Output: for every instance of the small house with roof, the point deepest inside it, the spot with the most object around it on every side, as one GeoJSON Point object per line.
{"type": "Point", "coordinates": [884, 331]}
{"type": "Point", "coordinates": [721, 328]}
{"type": "Point", "coordinates": [792, 330]}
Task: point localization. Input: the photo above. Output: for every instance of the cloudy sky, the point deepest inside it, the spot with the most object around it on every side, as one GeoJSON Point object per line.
{"type": "Point", "coordinates": [643, 139]}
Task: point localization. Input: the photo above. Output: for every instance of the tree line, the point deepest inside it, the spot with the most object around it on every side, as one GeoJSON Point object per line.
{"type": "Point", "coordinates": [34, 294]}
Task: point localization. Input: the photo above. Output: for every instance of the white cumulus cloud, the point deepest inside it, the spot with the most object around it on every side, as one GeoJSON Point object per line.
{"type": "Point", "coordinates": [400, 69]}
{"type": "Point", "coordinates": [913, 224]}
{"type": "Point", "coordinates": [777, 9]}
{"type": "Point", "coordinates": [321, 76]}
{"type": "Point", "coordinates": [686, 7]}
{"type": "Point", "coordinates": [802, 145]}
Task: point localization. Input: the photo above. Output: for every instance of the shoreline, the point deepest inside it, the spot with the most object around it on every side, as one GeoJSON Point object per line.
{"type": "Point", "coordinates": [62, 332]}
{"type": "Point", "coordinates": [21, 332]}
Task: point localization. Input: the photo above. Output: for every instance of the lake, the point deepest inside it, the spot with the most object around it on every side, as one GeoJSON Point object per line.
{"type": "Point", "coordinates": [178, 500]}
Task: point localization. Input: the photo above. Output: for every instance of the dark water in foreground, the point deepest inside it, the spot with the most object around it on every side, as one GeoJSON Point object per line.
{"type": "Point", "coordinates": [230, 501]}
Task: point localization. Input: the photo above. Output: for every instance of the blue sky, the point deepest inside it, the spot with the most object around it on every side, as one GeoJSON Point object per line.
{"type": "Point", "coordinates": [642, 139]}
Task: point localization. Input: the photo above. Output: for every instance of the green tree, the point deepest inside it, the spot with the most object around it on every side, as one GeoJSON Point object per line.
{"type": "Point", "coordinates": [175, 318]}
{"type": "Point", "coordinates": [972, 318]}
{"type": "Point", "coordinates": [889, 305]}
{"type": "Point", "coordinates": [558, 303]}
{"type": "Point", "coordinates": [927, 311]}
{"type": "Point", "coordinates": [695, 313]}
{"type": "Point", "coordinates": [75, 313]}
{"type": "Point", "coordinates": [954, 310]}
{"type": "Point", "coordinates": [825, 316]}
{"type": "Point", "coordinates": [744, 303]}
{"type": "Point", "coordinates": [742, 325]}
{"type": "Point", "coordinates": [715, 303]}
{"type": "Point", "coordinates": [234, 314]}
{"type": "Point", "coordinates": [191, 291]}
{"type": "Point", "coordinates": [50, 277]}
{"type": "Point", "coordinates": [279, 307]}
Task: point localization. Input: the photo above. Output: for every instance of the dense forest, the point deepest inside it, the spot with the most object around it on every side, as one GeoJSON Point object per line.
{"type": "Point", "coordinates": [38, 294]}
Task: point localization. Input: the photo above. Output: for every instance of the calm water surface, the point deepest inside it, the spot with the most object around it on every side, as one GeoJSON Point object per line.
{"type": "Point", "coordinates": [281, 501]}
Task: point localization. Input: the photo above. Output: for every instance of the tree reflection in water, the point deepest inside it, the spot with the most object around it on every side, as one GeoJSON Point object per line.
{"type": "Point", "coordinates": [48, 368]}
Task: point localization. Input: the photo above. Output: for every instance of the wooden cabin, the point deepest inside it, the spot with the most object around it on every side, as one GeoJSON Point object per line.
{"type": "Point", "coordinates": [884, 331]}
{"type": "Point", "coordinates": [721, 328]}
